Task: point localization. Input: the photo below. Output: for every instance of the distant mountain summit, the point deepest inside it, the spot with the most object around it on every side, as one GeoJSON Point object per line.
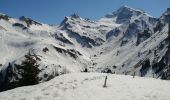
{"type": "Point", "coordinates": [126, 14]}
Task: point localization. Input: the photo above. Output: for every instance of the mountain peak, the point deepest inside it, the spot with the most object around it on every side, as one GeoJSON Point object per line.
{"type": "Point", "coordinates": [75, 15]}
{"type": "Point", "coordinates": [167, 11]}
{"type": "Point", "coordinates": [29, 21]}
{"type": "Point", "coordinates": [125, 13]}
{"type": "Point", "coordinates": [166, 16]}
{"type": "Point", "coordinates": [129, 9]}
{"type": "Point", "coordinates": [125, 7]}
{"type": "Point", "coordinates": [4, 16]}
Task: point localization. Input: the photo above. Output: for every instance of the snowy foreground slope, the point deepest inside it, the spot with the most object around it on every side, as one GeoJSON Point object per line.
{"type": "Point", "coordinates": [89, 86]}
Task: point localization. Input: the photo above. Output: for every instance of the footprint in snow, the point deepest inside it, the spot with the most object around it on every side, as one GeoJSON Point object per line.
{"type": "Point", "coordinates": [38, 98]}
{"type": "Point", "coordinates": [64, 89]}
{"type": "Point", "coordinates": [70, 82]}
{"type": "Point", "coordinates": [61, 82]}
{"type": "Point", "coordinates": [55, 94]}
{"type": "Point", "coordinates": [46, 93]}
{"type": "Point", "coordinates": [75, 80]}
{"type": "Point", "coordinates": [57, 86]}
{"type": "Point", "coordinates": [23, 99]}
{"type": "Point", "coordinates": [82, 82]}
{"type": "Point", "coordinates": [86, 79]}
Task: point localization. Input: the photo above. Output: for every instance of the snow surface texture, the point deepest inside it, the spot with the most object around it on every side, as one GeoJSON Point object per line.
{"type": "Point", "coordinates": [89, 86]}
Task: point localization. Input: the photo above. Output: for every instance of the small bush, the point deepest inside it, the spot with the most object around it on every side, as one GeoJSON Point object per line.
{"type": "Point", "coordinates": [45, 49]}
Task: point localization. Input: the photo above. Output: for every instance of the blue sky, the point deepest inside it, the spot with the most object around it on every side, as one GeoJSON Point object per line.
{"type": "Point", "coordinates": [54, 11]}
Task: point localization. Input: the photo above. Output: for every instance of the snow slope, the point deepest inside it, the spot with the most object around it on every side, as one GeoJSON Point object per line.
{"type": "Point", "coordinates": [128, 55]}
{"type": "Point", "coordinates": [89, 86]}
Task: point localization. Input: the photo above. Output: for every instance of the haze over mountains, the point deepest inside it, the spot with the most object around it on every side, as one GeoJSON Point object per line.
{"type": "Point", "coordinates": [126, 41]}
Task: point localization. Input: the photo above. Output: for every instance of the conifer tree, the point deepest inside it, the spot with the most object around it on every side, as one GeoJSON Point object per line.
{"type": "Point", "coordinates": [28, 70]}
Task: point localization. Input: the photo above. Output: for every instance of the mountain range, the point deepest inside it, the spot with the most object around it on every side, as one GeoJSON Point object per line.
{"type": "Point", "coordinates": [127, 41]}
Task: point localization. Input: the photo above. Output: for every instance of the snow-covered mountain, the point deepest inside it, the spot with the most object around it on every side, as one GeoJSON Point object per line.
{"type": "Point", "coordinates": [126, 41]}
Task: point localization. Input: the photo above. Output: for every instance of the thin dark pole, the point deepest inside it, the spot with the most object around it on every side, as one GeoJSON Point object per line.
{"type": "Point", "coordinates": [134, 74]}
{"type": "Point", "coordinates": [105, 82]}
